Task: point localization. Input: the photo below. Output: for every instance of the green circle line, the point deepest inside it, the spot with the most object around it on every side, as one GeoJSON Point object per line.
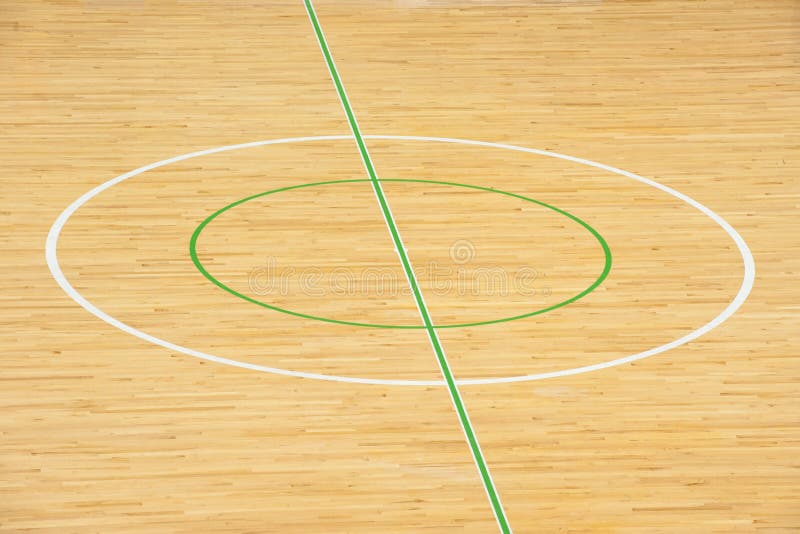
{"type": "Point", "coordinates": [215, 281]}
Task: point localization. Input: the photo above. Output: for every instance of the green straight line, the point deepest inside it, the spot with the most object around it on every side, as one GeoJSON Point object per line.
{"type": "Point", "coordinates": [488, 483]}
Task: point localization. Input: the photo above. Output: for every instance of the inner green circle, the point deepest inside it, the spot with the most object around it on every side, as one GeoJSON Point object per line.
{"type": "Point", "coordinates": [592, 287]}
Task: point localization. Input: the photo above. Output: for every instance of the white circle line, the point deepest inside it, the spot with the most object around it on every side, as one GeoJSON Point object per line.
{"type": "Point", "coordinates": [51, 247]}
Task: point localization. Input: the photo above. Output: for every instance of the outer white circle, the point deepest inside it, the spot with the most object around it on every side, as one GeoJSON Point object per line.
{"type": "Point", "coordinates": [52, 262]}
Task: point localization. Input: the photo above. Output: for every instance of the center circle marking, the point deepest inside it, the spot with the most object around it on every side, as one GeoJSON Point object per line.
{"type": "Point", "coordinates": [748, 264]}
{"type": "Point", "coordinates": [200, 267]}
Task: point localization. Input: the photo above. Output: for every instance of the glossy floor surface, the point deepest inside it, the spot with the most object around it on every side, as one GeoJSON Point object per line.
{"type": "Point", "coordinates": [580, 266]}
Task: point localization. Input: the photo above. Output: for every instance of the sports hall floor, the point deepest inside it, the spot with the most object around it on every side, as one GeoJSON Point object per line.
{"type": "Point", "coordinates": [399, 266]}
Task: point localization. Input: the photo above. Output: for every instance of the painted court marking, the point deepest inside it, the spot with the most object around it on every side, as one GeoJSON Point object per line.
{"type": "Point", "coordinates": [433, 336]}
{"type": "Point", "coordinates": [606, 268]}
{"type": "Point", "coordinates": [51, 254]}
{"type": "Point", "coordinates": [449, 380]}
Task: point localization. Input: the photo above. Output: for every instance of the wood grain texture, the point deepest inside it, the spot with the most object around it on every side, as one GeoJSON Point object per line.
{"type": "Point", "coordinates": [102, 432]}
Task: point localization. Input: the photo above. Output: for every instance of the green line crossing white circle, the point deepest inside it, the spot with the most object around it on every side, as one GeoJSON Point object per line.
{"type": "Point", "coordinates": [441, 358]}
{"type": "Point", "coordinates": [736, 302]}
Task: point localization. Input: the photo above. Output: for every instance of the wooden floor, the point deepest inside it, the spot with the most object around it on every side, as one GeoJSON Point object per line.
{"type": "Point", "coordinates": [104, 432]}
